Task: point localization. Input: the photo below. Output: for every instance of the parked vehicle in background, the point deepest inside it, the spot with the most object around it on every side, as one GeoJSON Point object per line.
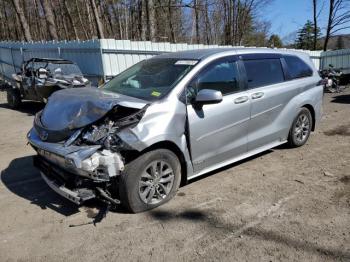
{"type": "Point", "coordinates": [40, 77]}
{"type": "Point", "coordinates": [331, 78]}
{"type": "Point", "coordinates": [172, 118]}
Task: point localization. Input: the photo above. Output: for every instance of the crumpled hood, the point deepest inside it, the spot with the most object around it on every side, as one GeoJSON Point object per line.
{"type": "Point", "coordinates": [77, 107]}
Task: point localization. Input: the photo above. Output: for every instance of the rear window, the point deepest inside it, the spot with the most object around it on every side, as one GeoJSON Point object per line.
{"type": "Point", "coordinates": [297, 68]}
{"type": "Point", "coordinates": [262, 72]}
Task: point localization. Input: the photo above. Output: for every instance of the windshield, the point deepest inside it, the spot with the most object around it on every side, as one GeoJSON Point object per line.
{"type": "Point", "coordinates": [64, 69]}
{"type": "Point", "coordinates": [150, 79]}
{"type": "Point", "coordinates": [57, 69]}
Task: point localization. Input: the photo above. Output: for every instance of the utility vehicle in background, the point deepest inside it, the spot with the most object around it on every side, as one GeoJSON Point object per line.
{"type": "Point", "coordinates": [40, 77]}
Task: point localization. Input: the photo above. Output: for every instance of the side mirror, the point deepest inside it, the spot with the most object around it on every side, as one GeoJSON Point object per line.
{"type": "Point", "coordinates": [208, 96]}
{"type": "Point", "coordinates": [42, 73]}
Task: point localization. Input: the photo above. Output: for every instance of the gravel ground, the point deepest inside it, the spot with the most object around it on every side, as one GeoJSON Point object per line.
{"type": "Point", "coordinates": [282, 205]}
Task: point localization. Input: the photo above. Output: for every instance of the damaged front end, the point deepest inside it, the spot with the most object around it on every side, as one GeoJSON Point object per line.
{"type": "Point", "coordinates": [84, 159]}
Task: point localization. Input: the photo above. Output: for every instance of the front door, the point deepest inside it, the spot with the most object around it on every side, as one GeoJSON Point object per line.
{"type": "Point", "coordinates": [218, 132]}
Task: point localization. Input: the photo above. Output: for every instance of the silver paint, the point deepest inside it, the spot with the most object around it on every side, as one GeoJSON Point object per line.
{"type": "Point", "coordinates": [241, 125]}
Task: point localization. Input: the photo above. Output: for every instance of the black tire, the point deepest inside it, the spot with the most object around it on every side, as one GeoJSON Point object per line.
{"type": "Point", "coordinates": [13, 98]}
{"type": "Point", "coordinates": [295, 140]}
{"type": "Point", "coordinates": [130, 180]}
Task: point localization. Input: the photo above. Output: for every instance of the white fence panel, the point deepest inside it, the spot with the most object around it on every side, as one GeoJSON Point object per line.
{"type": "Point", "coordinates": [338, 58]}
{"type": "Point", "coordinates": [102, 59]}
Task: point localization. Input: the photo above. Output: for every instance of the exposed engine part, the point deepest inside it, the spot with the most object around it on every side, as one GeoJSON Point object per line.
{"type": "Point", "coordinates": [103, 162]}
{"type": "Point", "coordinates": [105, 132]}
{"type": "Point", "coordinates": [99, 133]}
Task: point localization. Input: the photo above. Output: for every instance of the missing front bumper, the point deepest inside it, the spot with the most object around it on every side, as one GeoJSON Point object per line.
{"type": "Point", "coordinates": [57, 180]}
{"type": "Point", "coordinates": [73, 196]}
{"type": "Point", "coordinates": [86, 161]}
{"type": "Point", "coordinates": [78, 173]}
{"type": "Point", "coordinates": [73, 187]}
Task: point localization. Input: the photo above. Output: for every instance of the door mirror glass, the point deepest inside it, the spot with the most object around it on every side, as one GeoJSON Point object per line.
{"type": "Point", "coordinates": [42, 73]}
{"type": "Point", "coordinates": [208, 96]}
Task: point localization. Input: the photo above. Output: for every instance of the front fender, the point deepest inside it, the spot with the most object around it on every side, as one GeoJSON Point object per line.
{"type": "Point", "coordinates": [162, 122]}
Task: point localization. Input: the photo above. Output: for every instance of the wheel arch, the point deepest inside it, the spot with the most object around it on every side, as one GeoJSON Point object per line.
{"type": "Point", "coordinates": [312, 111]}
{"type": "Point", "coordinates": [177, 151]}
{"type": "Point", "coordinates": [166, 144]}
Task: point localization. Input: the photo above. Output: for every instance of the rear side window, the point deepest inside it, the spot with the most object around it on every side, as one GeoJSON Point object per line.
{"type": "Point", "coordinates": [262, 72]}
{"type": "Point", "coordinates": [297, 68]}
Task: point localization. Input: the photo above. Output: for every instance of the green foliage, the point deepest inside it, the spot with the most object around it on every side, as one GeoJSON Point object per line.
{"type": "Point", "coordinates": [275, 41]}
{"type": "Point", "coordinates": [340, 43]}
{"type": "Point", "coordinates": [305, 38]}
{"type": "Point", "coordinates": [257, 35]}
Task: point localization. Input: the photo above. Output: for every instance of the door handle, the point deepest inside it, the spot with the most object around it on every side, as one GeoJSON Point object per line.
{"type": "Point", "coordinates": [257, 95]}
{"type": "Point", "coordinates": [241, 99]}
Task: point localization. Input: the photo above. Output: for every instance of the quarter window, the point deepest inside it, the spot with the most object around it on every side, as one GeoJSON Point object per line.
{"type": "Point", "coordinates": [297, 68]}
{"type": "Point", "coordinates": [262, 72]}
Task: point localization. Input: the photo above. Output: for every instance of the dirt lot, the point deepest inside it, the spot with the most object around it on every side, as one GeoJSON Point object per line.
{"type": "Point", "coordinates": [283, 205]}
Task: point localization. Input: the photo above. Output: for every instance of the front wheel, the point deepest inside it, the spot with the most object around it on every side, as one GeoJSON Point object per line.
{"type": "Point", "coordinates": [301, 128]}
{"type": "Point", "coordinates": [13, 98]}
{"type": "Point", "coordinates": [150, 180]}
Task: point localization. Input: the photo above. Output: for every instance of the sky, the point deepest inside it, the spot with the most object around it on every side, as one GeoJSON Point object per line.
{"type": "Point", "coordinates": [287, 16]}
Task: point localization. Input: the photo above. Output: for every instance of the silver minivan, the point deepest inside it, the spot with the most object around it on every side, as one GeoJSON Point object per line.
{"type": "Point", "coordinates": [172, 118]}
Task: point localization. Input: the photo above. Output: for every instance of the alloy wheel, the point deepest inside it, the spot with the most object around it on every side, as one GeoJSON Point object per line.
{"type": "Point", "coordinates": [156, 182]}
{"type": "Point", "coordinates": [302, 128]}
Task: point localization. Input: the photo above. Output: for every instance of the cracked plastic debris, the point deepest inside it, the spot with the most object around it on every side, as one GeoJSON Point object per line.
{"type": "Point", "coordinates": [110, 162]}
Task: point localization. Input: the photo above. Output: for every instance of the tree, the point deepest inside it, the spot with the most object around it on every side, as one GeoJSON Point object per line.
{"type": "Point", "coordinates": [306, 36]}
{"type": "Point", "coordinates": [195, 22]}
{"type": "Point", "coordinates": [23, 20]}
{"type": "Point", "coordinates": [235, 22]}
{"type": "Point", "coordinates": [70, 18]}
{"type": "Point", "coordinates": [98, 22]}
{"type": "Point", "coordinates": [81, 20]}
{"type": "Point", "coordinates": [152, 20]}
{"type": "Point", "coordinates": [338, 18]}
{"type": "Point", "coordinates": [340, 42]}
{"type": "Point", "coordinates": [240, 18]}
{"type": "Point", "coordinates": [49, 16]}
{"type": "Point", "coordinates": [275, 41]}
{"type": "Point", "coordinates": [314, 4]}
{"type": "Point", "coordinates": [256, 34]}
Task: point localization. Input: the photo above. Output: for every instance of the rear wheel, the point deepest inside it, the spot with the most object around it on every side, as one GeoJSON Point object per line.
{"type": "Point", "coordinates": [301, 128]}
{"type": "Point", "coordinates": [13, 98]}
{"type": "Point", "coordinates": [150, 180]}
